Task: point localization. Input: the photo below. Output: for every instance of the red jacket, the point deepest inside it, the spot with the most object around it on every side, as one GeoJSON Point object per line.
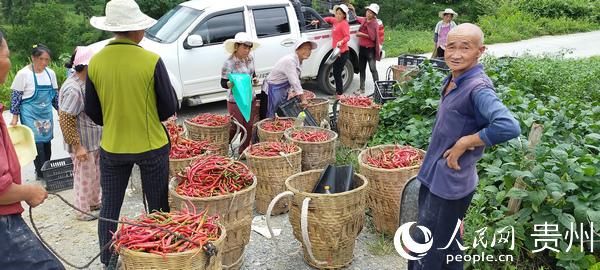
{"type": "Point", "coordinates": [372, 29]}
{"type": "Point", "coordinates": [340, 31]}
{"type": "Point", "coordinates": [10, 170]}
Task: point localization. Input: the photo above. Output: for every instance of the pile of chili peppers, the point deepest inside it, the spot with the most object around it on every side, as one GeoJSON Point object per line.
{"type": "Point", "coordinates": [309, 94]}
{"type": "Point", "coordinates": [399, 157]}
{"type": "Point", "coordinates": [174, 130]}
{"type": "Point", "coordinates": [315, 101]}
{"type": "Point", "coordinates": [185, 148]}
{"type": "Point", "coordinates": [213, 176]}
{"type": "Point", "coordinates": [211, 119]}
{"type": "Point", "coordinates": [272, 149]}
{"type": "Point", "coordinates": [310, 135]}
{"type": "Point", "coordinates": [163, 233]}
{"type": "Point", "coordinates": [358, 101]}
{"type": "Point", "coordinates": [277, 125]}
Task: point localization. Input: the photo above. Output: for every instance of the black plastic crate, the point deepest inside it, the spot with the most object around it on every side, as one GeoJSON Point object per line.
{"type": "Point", "coordinates": [410, 60]}
{"type": "Point", "coordinates": [439, 64]}
{"type": "Point", "coordinates": [58, 174]}
{"type": "Point", "coordinates": [384, 91]}
{"type": "Point", "coordinates": [291, 108]}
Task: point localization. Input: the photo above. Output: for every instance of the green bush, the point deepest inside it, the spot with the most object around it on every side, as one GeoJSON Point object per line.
{"type": "Point", "coordinates": [574, 9]}
{"type": "Point", "coordinates": [400, 41]}
{"type": "Point", "coordinates": [157, 8]}
{"type": "Point", "coordinates": [508, 24]}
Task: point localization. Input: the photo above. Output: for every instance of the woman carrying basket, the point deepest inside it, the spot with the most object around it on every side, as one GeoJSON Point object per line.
{"type": "Point", "coordinates": [240, 61]}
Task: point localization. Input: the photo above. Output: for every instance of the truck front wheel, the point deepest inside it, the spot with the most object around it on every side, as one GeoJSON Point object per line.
{"type": "Point", "coordinates": [327, 83]}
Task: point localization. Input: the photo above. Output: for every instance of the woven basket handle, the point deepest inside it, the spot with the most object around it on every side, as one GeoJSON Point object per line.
{"type": "Point", "coordinates": [244, 135]}
{"type": "Point", "coordinates": [270, 210]}
{"type": "Point", "coordinates": [304, 228]}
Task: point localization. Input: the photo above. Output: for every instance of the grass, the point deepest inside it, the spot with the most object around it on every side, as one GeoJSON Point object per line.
{"type": "Point", "coordinates": [382, 246]}
{"type": "Point", "coordinates": [401, 41]}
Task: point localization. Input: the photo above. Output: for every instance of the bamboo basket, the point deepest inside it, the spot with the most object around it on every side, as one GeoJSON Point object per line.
{"type": "Point", "coordinates": [319, 109]}
{"type": "Point", "coordinates": [235, 211]}
{"type": "Point", "coordinates": [315, 155]}
{"type": "Point", "coordinates": [271, 173]}
{"type": "Point", "coordinates": [334, 220]}
{"type": "Point", "coordinates": [385, 191]}
{"type": "Point", "coordinates": [269, 136]}
{"type": "Point", "coordinates": [219, 135]}
{"type": "Point", "coordinates": [194, 259]}
{"type": "Point", "coordinates": [357, 124]}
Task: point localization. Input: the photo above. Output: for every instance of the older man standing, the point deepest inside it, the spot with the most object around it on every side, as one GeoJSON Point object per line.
{"type": "Point", "coordinates": [470, 117]}
{"type": "Point", "coordinates": [128, 92]}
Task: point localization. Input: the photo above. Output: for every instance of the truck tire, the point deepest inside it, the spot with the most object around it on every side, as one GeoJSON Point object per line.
{"type": "Point", "coordinates": [325, 78]}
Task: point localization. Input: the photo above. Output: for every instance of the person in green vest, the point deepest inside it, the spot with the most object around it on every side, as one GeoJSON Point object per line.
{"type": "Point", "coordinates": [128, 92]}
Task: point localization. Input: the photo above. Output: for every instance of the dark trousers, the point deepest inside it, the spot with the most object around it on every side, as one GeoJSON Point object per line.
{"type": "Point", "coordinates": [367, 55]}
{"type": "Point", "coordinates": [439, 216]}
{"type": "Point", "coordinates": [44, 152]}
{"type": "Point", "coordinates": [338, 67]}
{"type": "Point", "coordinates": [440, 53]}
{"type": "Point", "coordinates": [115, 170]}
{"type": "Point", "coordinates": [21, 249]}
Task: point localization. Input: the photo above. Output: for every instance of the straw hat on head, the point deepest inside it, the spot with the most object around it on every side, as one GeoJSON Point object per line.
{"type": "Point", "coordinates": [241, 37]}
{"type": "Point", "coordinates": [343, 7]}
{"type": "Point", "coordinates": [373, 7]}
{"type": "Point", "coordinates": [448, 11]}
{"type": "Point", "coordinates": [83, 54]}
{"type": "Point", "coordinates": [303, 40]}
{"type": "Point", "coordinates": [122, 16]}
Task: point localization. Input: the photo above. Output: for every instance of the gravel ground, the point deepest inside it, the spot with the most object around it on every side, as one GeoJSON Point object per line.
{"type": "Point", "coordinates": [77, 240]}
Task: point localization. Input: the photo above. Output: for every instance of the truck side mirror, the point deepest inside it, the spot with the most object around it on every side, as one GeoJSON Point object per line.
{"type": "Point", "coordinates": [193, 41]}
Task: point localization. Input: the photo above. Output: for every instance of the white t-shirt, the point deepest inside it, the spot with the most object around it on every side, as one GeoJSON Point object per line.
{"type": "Point", "coordinates": [24, 81]}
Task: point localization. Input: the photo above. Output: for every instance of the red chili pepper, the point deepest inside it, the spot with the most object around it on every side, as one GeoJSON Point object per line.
{"type": "Point", "coordinates": [358, 101]}
{"type": "Point", "coordinates": [277, 125]}
{"type": "Point", "coordinates": [310, 135]}
{"type": "Point", "coordinates": [399, 157]}
{"type": "Point", "coordinates": [309, 94]}
{"type": "Point", "coordinates": [211, 120]}
{"type": "Point", "coordinates": [185, 148]}
{"type": "Point", "coordinates": [174, 130]}
{"type": "Point", "coordinates": [272, 149]}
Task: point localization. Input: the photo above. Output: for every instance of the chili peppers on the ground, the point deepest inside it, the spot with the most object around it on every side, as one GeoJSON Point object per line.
{"type": "Point", "coordinates": [277, 124]}
{"type": "Point", "coordinates": [174, 130]}
{"type": "Point", "coordinates": [272, 149]}
{"type": "Point", "coordinates": [358, 101]}
{"type": "Point", "coordinates": [212, 176]}
{"type": "Point", "coordinates": [211, 119]}
{"type": "Point", "coordinates": [309, 94]}
{"type": "Point", "coordinates": [310, 135]}
{"type": "Point", "coordinates": [185, 148]}
{"type": "Point", "coordinates": [163, 233]}
{"type": "Point", "coordinates": [399, 157]}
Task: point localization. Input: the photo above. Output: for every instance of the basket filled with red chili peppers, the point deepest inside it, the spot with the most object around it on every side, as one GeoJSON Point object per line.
{"type": "Point", "coordinates": [319, 109]}
{"type": "Point", "coordinates": [184, 239]}
{"type": "Point", "coordinates": [224, 187]}
{"type": "Point", "coordinates": [308, 95]}
{"type": "Point", "coordinates": [183, 151]}
{"type": "Point", "coordinates": [271, 129]}
{"type": "Point", "coordinates": [175, 131]}
{"type": "Point", "coordinates": [388, 168]}
{"type": "Point", "coordinates": [318, 145]}
{"type": "Point", "coordinates": [210, 127]}
{"type": "Point", "coordinates": [357, 120]}
{"type": "Point", "coordinates": [273, 163]}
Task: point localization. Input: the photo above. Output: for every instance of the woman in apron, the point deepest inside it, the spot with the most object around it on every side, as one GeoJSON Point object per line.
{"type": "Point", "coordinates": [34, 93]}
{"type": "Point", "coordinates": [283, 81]}
{"type": "Point", "coordinates": [240, 61]}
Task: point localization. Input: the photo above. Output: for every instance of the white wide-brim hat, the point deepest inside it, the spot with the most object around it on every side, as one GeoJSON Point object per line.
{"type": "Point", "coordinates": [122, 16]}
{"type": "Point", "coordinates": [303, 40]}
{"type": "Point", "coordinates": [448, 11]}
{"type": "Point", "coordinates": [373, 7]}
{"type": "Point", "coordinates": [241, 37]}
{"type": "Point", "coordinates": [343, 7]}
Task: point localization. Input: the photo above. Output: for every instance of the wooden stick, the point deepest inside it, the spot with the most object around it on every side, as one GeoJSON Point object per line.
{"type": "Point", "coordinates": [535, 135]}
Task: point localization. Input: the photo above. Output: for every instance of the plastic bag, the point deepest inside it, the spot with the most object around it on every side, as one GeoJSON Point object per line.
{"type": "Point", "coordinates": [242, 92]}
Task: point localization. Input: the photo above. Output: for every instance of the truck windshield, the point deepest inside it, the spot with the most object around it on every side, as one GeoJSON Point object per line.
{"type": "Point", "coordinates": [172, 24]}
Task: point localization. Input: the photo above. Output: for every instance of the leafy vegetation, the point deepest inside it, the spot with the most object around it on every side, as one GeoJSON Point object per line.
{"type": "Point", "coordinates": [561, 179]}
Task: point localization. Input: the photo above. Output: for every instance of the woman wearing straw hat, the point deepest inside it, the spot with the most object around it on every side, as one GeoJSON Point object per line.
{"type": "Point", "coordinates": [442, 28]}
{"type": "Point", "coordinates": [81, 135]}
{"type": "Point", "coordinates": [340, 35]}
{"type": "Point", "coordinates": [128, 93]}
{"type": "Point", "coordinates": [240, 61]}
{"type": "Point", "coordinates": [20, 248]}
{"type": "Point", "coordinates": [369, 45]}
{"type": "Point", "coordinates": [34, 93]}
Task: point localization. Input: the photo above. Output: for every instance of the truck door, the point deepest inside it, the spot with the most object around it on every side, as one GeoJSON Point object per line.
{"type": "Point", "coordinates": [277, 33]}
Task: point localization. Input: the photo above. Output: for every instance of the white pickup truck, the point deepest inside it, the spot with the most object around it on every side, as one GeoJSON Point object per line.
{"type": "Point", "coordinates": [190, 37]}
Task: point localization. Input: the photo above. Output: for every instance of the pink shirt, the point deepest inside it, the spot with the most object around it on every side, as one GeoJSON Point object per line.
{"type": "Point", "coordinates": [340, 31]}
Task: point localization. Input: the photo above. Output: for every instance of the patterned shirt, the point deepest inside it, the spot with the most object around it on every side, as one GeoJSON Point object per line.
{"type": "Point", "coordinates": [286, 69]}
{"type": "Point", "coordinates": [236, 65]}
{"type": "Point", "coordinates": [71, 101]}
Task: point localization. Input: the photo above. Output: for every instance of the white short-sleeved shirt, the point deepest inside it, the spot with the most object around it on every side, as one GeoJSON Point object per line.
{"type": "Point", "coordinates": [24, 81]}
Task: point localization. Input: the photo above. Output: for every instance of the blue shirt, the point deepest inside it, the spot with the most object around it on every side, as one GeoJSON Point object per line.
{"type": "Point", "coordinates": [472, 107]}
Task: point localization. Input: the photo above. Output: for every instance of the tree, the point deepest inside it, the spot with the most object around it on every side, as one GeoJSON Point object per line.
{"type": "Point", "coordinates": [44, 23]}
{"type": "Point", "coordinates": [15, 11]}
{"type": "Point", "coordinates": [157, 8]}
